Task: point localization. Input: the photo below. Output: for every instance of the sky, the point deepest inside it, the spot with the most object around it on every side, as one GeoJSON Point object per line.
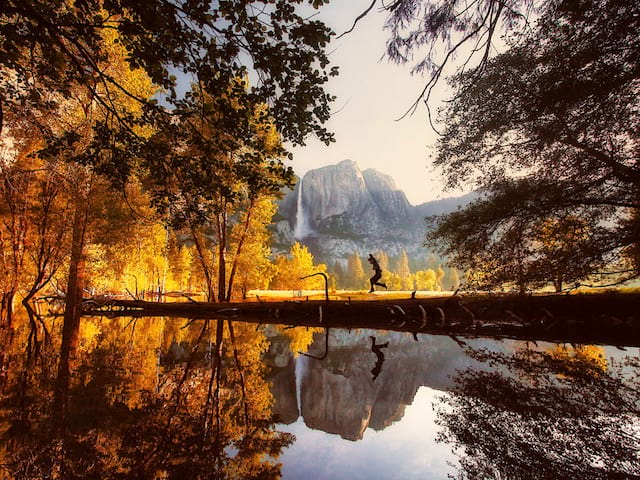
{"type": "Point", "coordinates": [372, 94]}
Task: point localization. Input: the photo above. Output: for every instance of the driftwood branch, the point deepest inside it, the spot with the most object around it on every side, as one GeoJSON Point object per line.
{"type": "Point", "coordinates": [326, 283]}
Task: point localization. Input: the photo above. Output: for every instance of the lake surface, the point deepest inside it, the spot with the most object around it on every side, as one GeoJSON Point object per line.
{"type": "Point", "coordinates": [162, 398]}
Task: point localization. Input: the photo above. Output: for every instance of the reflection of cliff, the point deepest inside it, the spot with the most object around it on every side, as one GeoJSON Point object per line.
{"type": "Point", "coordinates": [338, 395]}
{"type": "Point", "coordinates": [338, 399]}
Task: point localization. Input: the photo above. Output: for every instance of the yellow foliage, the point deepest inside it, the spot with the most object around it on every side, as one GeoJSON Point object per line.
{"type": "Point", "coordinates": [355, 276]}
{"type": "Point", "coordinates": [181, 265]}
{"type": "Point", "coordinates": [291, 269]}
{"type": "Point", "coordinates": [425, 279]}
{"type": "Point", "coordinates": [300, 338]}
{"type": "Point", "coordinates": [393, 281]}
{"type": "Point", "coordinates": [581, 359]}
{"type": "Point", "coordinates": [88, 334]}
{"type": "Point", "coordinates": [254, 269]}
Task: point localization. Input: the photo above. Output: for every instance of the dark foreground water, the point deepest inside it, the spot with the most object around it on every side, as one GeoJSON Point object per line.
{"type": "Point", "coordinates": [179, 399]}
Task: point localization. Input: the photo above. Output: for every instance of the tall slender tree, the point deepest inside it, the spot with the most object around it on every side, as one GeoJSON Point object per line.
{"type": "Point", "coordinates": [357, 278]}
{"type": "Point", "coordinates": [403, 271]}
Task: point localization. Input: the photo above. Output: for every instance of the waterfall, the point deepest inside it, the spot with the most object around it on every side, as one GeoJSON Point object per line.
{"type": "Point", "coordinates": [300, 373]}
{"type": "Point", "coordinates": [302, 228]}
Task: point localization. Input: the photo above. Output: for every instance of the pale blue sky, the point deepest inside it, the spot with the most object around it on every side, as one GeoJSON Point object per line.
{"type": "Point", "coordinates": [372, 94]}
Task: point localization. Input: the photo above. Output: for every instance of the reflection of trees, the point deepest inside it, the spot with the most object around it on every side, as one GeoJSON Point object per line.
{"type": "Point", "coordinates": [133, 413]}
{"type": "Point", "coordinates": [545, 415]}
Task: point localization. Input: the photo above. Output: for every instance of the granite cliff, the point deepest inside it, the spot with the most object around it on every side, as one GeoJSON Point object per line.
{"type": "Point", "coordinates": [338, 209]}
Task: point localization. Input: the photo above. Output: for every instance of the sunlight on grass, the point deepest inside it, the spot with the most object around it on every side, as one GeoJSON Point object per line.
{"type": "Point", "coordinates": [355, 295]}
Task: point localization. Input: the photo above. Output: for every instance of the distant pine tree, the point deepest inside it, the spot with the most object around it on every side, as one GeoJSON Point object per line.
{"type": "Point", "coordinates": [403, 271]}
{"type": "Point", "coordinates": [355, 275]}
{"type": "Point", "coordinates": [339, 274]}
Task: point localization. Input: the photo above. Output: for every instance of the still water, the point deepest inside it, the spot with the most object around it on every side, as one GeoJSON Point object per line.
{"type": "Point", "coordinates": [163, 398]}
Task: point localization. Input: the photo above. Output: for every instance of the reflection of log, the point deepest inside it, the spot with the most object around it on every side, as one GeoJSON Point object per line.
{"type": "Point", "coordinates": [598, 318]}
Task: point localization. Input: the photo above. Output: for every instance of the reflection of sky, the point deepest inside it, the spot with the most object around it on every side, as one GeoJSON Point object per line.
{"type": "Point", "coordinates": [404, 450]}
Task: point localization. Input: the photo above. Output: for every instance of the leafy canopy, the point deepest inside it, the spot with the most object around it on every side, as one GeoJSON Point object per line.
{"type": "Point", "coordinates": [57, 47]}
{"type": "Point", "coordinates": [549, 129]}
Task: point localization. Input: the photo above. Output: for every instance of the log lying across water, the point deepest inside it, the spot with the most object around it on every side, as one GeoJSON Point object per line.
{"type": "Point", "coordinates": [603, 318]}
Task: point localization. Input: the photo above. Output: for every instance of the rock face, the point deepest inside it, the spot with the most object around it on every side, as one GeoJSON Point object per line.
{"type": "Point", "coordinates": [345, 209]}
{"type": "Point", "coordinates": [391, 204]}
{"type": "Point", "coordinates": [335, 190]}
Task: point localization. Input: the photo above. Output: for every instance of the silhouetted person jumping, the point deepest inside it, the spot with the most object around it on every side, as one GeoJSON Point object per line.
{"type": "Point", "coordinates": [377, 275]}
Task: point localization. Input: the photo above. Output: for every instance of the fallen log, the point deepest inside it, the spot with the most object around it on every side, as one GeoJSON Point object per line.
{"type": "Point", "coordinates": [605, 318]}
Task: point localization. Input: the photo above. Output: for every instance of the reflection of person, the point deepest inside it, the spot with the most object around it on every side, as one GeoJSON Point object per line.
{"type": "Point", "coordinates": [377, 349]}
{"type": "Point", "coordinates": [378, 273]}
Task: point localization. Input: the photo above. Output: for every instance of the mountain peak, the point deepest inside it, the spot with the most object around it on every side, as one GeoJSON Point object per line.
{"type": "Point", "coordinates": [377, 181]}
{"type": "Point", "coordinates": [347, 163]}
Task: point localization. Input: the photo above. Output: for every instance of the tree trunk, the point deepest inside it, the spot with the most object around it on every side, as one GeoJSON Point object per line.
{"type": "Point", "coordinates": [558, 283]}
{"type": "Point", "coordinates": [211, 295]}
{"type": "Point", "coordinates": [6, 308]}
{"type": "Point", "coordinates": [38, 284]}
{"type": "Point", "coordinates": [522, 284]}
{"type": "Point", "coordinates": [73, 307]}
{"type": "Point", "coordinates": [162, 288]}
{"type": "Point", "coordinates": [234, 266]}
{"type": "Point", "coordinates": [221, 223]}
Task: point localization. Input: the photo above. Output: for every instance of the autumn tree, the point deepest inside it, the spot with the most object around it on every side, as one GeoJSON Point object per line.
{"type": "Point", "coordinates": [393, 281]}
{"type": "Point", "coordinates": [55, 52]}
{"type": "Point", "coordinates": [138, 266]}
{"type": "Point", "coordinates": [212, 185]}
{"type": "Point", "coordinates": [62, 191]}
{"type": "Point", "coordinates": [48, 239]}
{"type": "Point", "coordinates": [404, 272]}
{"type": "Point", "coordinates": [290, 270]}
{"type": "Point", "coordinates": [31, 235]}
{"type": "Point", "coordinates": [426, 279]}
{"type": "Point", "coordinates": [80, 124]}
{"type": "Point", "coordinates": [566, 251]}
{"type": "Point", "coordinates": [251, 267]}
{"type": "Point", "coordinates": [34, 236]}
